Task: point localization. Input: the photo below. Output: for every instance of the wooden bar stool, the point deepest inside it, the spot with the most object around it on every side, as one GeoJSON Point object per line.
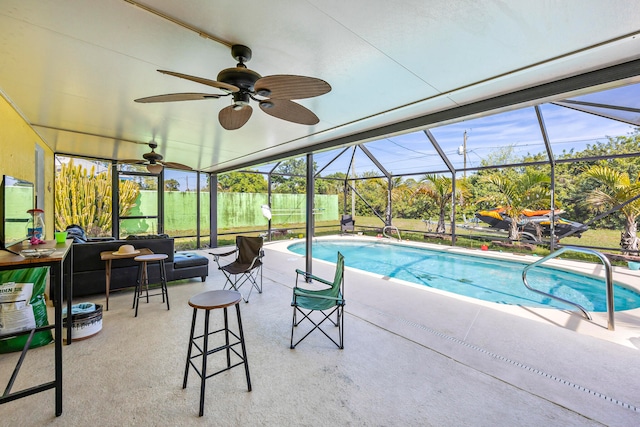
{"type": "Point", "coordinates": [143, 279]}
{"type": "Point", "coordinates": [208, 301]}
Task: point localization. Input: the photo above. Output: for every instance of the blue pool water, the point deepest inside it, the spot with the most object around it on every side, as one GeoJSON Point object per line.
{"type": "Point", "coordinates": [473, 276]}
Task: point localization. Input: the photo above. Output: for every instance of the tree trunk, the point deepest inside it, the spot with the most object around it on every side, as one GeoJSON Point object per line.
{"type": "Point", "coordinates": [440, 228]}
{"type": "Point", "coordinates": [514, 235]}
{"type": "Point", "coordinates": [538, 228]}
{"type": "Point", "coordinates": [629, 238]}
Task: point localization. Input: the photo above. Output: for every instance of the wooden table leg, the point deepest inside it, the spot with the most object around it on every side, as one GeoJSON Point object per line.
{"type": "Point", "coordinates": [107, 280]}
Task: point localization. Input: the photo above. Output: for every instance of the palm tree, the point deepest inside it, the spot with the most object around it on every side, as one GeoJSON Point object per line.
{"type": "Point", "coordinates": [440, 189]}
{"type": "Point", "coordinates": [400, 191]}
{"type": "Point", "coordinates": [617, 188]}
{"type": "Point", "coordinates": [529, 190]}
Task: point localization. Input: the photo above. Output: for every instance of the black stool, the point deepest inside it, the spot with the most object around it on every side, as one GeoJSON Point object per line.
{"type": "Point", "coordinates": [208, 301]}
{"type": "Point", "coordinates": [143, 279]}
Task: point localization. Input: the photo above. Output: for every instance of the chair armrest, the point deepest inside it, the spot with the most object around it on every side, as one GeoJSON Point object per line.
{"type": "Point", "coordinates": [218, 255]}
{"type": "Point", "coordinates": [315, 294]}
{"type": "Point", "coordinates": [308, 276]}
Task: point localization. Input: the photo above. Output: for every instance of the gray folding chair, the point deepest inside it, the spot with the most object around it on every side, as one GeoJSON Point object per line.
{"type": "Point", "coordinates": [247, 265]}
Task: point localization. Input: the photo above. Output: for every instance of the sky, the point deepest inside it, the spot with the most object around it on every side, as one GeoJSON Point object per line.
{"type": "Point", "coordinates": [519, 129]}
{"type": "Point", "coordinates": [566, 129]}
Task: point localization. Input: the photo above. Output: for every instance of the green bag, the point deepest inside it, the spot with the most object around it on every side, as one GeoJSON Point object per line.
{"type": "Point", "coordinates": [37, 276]}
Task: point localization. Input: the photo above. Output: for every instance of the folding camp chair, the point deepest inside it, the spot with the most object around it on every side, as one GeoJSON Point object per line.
{"type": "Point", "coordinates": [247, 265]}
{"type": "Point", "coordinates": [325, 301]}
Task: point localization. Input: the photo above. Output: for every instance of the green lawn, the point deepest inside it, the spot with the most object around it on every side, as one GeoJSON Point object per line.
{"type": "Point", "coordinates": [598, 238]}
{"type": "Point", "coordinates": [592, 237]}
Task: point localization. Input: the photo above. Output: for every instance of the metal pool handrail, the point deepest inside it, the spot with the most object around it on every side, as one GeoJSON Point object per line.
{"type": "Point", "coordinates": [393, 227]}
{"type": "Point", "coordinates": [608, 280]}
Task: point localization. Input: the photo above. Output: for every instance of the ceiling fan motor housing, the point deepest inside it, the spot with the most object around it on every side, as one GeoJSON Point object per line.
{"type": "Point", "coordinates": [152, 157]}
{"type": "Point", "coordinates": [240, 77]}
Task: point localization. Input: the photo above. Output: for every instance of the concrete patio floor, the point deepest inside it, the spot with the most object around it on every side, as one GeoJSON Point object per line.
{"type": "Point", "coordinates": [412, 357]}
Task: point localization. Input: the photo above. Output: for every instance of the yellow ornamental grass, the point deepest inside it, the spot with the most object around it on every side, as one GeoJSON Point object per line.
{"type": "Point", "coordinates": [84, 198]}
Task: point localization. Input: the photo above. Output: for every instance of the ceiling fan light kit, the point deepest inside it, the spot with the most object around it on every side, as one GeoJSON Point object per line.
{"type": "Point", "coordinates": [240, 99]}
{"type": "Point", "coordinates": [245, 85]}
{"type": "Point", "coordinates": [154, 168]}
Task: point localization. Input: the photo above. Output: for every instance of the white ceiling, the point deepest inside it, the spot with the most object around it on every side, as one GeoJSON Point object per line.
{"type": "Point", "coordinates": [74, 67]}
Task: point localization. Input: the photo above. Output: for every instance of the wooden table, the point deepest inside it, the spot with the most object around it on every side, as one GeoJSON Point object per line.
{"type": "Point", "coordinates": [56, 261]}
{"type": "Point", "coordinates": [108, 256]}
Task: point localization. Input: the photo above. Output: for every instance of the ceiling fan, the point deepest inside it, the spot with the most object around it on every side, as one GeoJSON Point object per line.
{"type": "Point", "coordinates": [154, 161]}
{"type": "Point", "coordinates": [273, 94]}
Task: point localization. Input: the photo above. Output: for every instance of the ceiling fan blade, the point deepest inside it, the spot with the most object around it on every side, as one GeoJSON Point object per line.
{"type": "Point", "coordinates": [173, 165]}
{"type": "Point", "coordinates": [170, 97]}
{"type": "Point", "coordinates": [232, 119]}
{"type": "Point", "coordinates": [284, 86]}
{"type": "Point", "coordinates": [289, 111]}
{"type": "Point", "coordinates": [214, 83]}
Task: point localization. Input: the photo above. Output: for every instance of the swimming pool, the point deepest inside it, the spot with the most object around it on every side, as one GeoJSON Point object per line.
{"type": "Point", "coordinates": [487, 279]}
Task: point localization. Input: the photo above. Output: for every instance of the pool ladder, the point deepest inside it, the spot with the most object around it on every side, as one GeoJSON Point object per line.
{"type": "Point", "coordinates": [392, 227]}
{"type": "Point", "coordinates": [608, 280]}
